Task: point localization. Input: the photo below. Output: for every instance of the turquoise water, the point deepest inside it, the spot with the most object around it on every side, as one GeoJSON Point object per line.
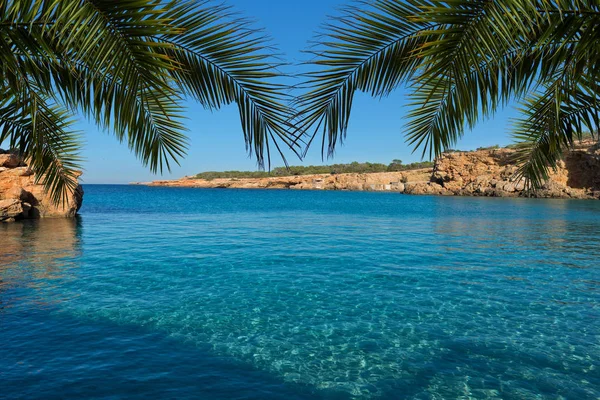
{"type": "Point", "coordinates": [223, 294]}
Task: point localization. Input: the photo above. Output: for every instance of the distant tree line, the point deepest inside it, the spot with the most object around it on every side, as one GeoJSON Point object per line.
{"type": "Point", "coordinates": [354, 167]}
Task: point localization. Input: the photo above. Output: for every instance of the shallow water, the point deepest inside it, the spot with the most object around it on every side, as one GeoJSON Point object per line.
{"type": "Point", "coordinates": [224, 294]}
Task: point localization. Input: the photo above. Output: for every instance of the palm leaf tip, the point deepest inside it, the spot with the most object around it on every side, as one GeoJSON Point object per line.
{"type": "Point", "coordinates": [462, 60]}
{"type": "Point", "coordinates": [129, 65]}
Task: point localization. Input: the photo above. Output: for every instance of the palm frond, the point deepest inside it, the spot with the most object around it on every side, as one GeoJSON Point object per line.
{"type": "Point", "coordinates": [464, 59]}
{"type": "Point", "coordinates": [374, 51]}
{"type": "Point", "coordinates": [223, 60]}
{"type": "Point", "coordinates": [552, 120]}
{"type": "Point", "coordinates": [41, 132]}
{"type": "Point", "coordinates": [129, 65]}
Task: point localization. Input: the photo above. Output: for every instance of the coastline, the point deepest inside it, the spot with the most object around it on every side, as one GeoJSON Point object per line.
{"type": "Point", "coordinates": [487, 172]}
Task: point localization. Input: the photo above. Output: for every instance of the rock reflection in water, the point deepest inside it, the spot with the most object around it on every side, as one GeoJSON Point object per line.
{"type": "Point", "coordinates": [35, 254]}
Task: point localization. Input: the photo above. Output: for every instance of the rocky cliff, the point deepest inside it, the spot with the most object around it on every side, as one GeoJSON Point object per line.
{"type": "Point", "coordinates": [475, 173]}
{"type": "Point", "coordinates": [22, 198]}
{"type": "Point", "coordinates": [492, 173]}
{"type": "Point", "coordinates": [373, 181]}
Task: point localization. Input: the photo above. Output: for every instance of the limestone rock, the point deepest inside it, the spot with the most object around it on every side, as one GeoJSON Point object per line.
{"type": "Point", "coordinates": [381, 181]}
{"type": "Point", "coordinates": [11, 209]}
{"type": "Point", "coordinates": [9, 160]}
{"type": "Point", "coordinates": [426, 188]}
{"type": "Point", "coordinates": [477, 173]}
{"type": "Point", "coordinates": [23, 198]}
{"type": "Point", "coordinates": [493, 173]}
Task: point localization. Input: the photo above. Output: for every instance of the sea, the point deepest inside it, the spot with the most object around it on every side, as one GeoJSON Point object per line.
{"type": "Point", "coordinates": [173, 293]}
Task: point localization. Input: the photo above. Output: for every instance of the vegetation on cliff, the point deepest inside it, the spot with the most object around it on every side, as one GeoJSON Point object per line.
{"type": "Point", "coordinates": [483, 172]}
{"type": "Point", "coordinates": [354, 167]}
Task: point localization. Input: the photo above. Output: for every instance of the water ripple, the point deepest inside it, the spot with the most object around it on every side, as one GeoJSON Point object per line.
{"type": "Point", "coordinates": [333, 295]}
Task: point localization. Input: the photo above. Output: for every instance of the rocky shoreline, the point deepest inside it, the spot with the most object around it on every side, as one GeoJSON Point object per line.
{"type": "Point", "coordinates": [487, 172]}
{"type": "Point", "coordinates": [22, 198]}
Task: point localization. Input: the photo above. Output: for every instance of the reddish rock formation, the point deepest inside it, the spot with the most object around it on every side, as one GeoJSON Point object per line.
{"type": "Point", "coordinates": [475, 173]}
{"type": "Point", "coordinates": [22, 198]}
{"type": "Point", "coordinates": [492, 173]}
{"type": "Point", "coordinates": [392, 181]}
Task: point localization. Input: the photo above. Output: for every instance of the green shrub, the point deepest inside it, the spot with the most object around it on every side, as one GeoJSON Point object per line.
{"type": "Point", "coordinates": [354, 167]}
{"type": "Point", "coordinates": [495, 147]}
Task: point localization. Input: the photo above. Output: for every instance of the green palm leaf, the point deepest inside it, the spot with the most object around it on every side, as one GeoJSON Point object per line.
{"type": "Point", "coordinates": [462, 59]}
{"type": "Point", "coordinates": [372, 51]}
{"type": "Point", "coordinates": [42, 131]}
{"type": "Point", "coordinates": [129, 65]}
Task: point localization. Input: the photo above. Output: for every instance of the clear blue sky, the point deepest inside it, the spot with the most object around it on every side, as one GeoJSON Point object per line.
{"type": "Point", "coordinates": [216, 142]}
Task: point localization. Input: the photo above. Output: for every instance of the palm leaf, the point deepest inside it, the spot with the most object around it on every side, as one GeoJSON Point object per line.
{"type": "Point", "coordinates": [552, 120]}
{"type": "Point", "coordinates": [462, 59]}
{"type": "Point", "coordinates": [373, 51]}
{"type": "Point", "coordinates": [130, 64]}
{"type": "Point", "coordinates": [41, 132]}
{"type": "Point", "coordinates": [223, 60]}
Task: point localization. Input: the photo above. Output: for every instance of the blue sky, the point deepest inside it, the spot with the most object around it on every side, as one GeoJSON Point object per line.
{"type": "Point", "coordinates": [216, 143]}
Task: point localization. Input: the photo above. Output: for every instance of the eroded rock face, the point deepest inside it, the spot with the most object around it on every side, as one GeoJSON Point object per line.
{"type": "Point", "coordinates": [22, 198]}
{"type": "Point", "coordinates": [13, 209]}
{"type": "Point", "coordinates": [492, 173]}
{"type": "Point", "coordinates": [381, 181]}
{"type": "Point", "coordinates": [8, 160]}
{"type": "Point", "coordinates": [475, 173]}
